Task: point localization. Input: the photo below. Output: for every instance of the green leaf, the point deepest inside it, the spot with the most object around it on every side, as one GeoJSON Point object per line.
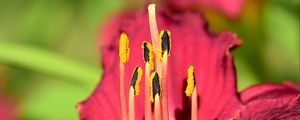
{"type": "Point", "coordinates": [282, 33]}
{"type": "Point", "coordinates": [49, 63]}
{"type": "Point", "coordinates": [51, 99]}
{"type": "Point", "coordinates": [245, 77]}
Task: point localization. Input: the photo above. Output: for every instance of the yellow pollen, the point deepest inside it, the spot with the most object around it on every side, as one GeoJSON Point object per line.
{"type": "Point", "coordinates": [190, 81]}
{"type": "Point", "coordinates": [150, 55]}
{"type": "Point", "coordinates": [152, 87]}
{"type": "Point", "coordinates": [124, 49]}
{"type": "Point", "coordinates": [137, 84]}
{"type": "Point", "coordinates": [161, 52]}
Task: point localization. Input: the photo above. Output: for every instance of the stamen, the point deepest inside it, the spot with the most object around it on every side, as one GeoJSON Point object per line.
{"type": "Point", "coordinates": [148, 54]}
{"type": "Point", "coordinates": [155, 85]}
{"type": "Point", "coordinates": [136, 79]}
{"type": "Point", "coordinates": [165, 43]}
{"type": "Point", "coordinates": [190, 81]}
{"type": "Point", "coordinates": [134, 90]}
{"type": "Point", "coordinates": [164, 53]}
{"type": "Point", "coordinates": [155, 88]}
{"type": "Point", "coordinates": [124, 48]}
{"type": "Point", "coordinates": [124, 57]}
{"type": "Point", "coordinates": [148, 58]}
{"type": "Point", "coordinates": [191, 90]}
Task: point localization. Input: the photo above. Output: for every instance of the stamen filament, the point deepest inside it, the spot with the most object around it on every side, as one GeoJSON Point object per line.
{"type": "Point", "coordinates": [164, 84]}
{"type": "Point", "coordinates": [148, 112]}
{"type": "Point", "coordinates": [131, 104]}
{"type": "Point", "coordinates": [122, 93]}
{"type": "Point", "coordinates": [194, 105]}
{"type": "Point", "coordinates": [157, 109]}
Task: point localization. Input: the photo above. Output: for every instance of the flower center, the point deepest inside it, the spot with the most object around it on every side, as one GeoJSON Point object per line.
{"type": "Point", "coordinates": [156, 61]}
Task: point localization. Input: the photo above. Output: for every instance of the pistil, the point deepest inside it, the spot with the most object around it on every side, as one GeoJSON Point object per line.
{"type": "Point", "coordinates": [154, 37]}
{"type": "Point", "coordinates": [158, 63]}
{"type": "Point", "coordinates": [191, 90]}
{"type": "Point", "coordinates": [134, 90]}
{"type": "Point", "coordinates": [149, 65]}
{"type": "Point", "coordinates": [124, 57]}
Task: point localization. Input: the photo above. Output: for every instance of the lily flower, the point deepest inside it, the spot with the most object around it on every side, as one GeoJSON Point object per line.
{"type": "Point", "coordinates": [192, 44]}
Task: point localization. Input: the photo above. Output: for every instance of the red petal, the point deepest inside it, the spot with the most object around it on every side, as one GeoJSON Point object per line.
{"type": "Point", "coordinates": [287, 108]}
{"type": "Point", "coordinates": [7, 109]}
{"type": "Point", "coordinates": [7, 105]}
{"type": "Point", "coordinates": [269, 91]}
{"type": "Point", "coordinates": [191, 45]}
{"type": "Point", "coordinates": [231, 8]}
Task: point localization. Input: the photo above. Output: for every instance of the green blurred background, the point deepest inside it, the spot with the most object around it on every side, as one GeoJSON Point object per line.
{"type": "Point", "coordinates": [49, 59]}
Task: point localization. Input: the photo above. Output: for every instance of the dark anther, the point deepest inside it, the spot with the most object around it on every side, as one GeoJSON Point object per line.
{"type": "Point", "coordinates": [156, 85]}
{"type": "Point", "coordinates": [134, 77]}
{"type": "Point", "coordinates": [165, 42]}
{"type": "Point", "coordinates": [146, 52]}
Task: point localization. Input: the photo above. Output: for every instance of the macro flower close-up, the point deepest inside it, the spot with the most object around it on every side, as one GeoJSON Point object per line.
{"type": "Point", "coordinates": [192, 44]}
{"type": "Point", "coordinates": [149, 60]}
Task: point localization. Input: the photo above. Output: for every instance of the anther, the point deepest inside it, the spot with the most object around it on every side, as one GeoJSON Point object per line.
{"type": "Point", "coordinates": [154, 85]}
{"type": "Point", "coordinates": [136, 79]}
{"type": "Point", "coordinates": [165, 42]}
{"type": "Point", "coordinates": [190, 81]}
{"type": "Point", "coordinates": [124, 49]}
{"type": "Point", "coordinates": [148, 54]}
{"type": "Point", "coordinates": [156, 95]}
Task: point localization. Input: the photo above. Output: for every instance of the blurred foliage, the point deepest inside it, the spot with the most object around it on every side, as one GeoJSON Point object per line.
{"type": "Point", "coordinates": [49, 58]}
{"type": "Point", "coordinates": [270, 33]}
{"type": "Point", "coordinates": [49, 54]}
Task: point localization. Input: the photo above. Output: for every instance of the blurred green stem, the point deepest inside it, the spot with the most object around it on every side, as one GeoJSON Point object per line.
{"type": "Point", "coordinates": [49, 63]}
